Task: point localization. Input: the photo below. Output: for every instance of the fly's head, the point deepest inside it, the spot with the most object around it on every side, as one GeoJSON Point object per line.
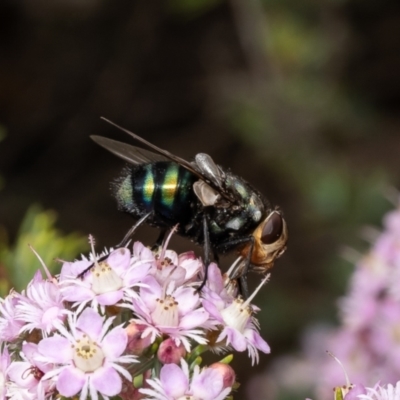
{"type": "Point", "coordinates": [270, 239]}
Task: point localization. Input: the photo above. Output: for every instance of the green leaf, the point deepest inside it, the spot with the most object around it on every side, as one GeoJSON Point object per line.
{"type": "Point", "coordinates": [37, 230]}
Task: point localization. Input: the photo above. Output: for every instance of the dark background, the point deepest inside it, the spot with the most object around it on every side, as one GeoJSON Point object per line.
{"type": "Point", "coordinates": [299, 97]}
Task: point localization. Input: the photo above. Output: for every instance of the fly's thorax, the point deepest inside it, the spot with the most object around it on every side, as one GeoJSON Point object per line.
{"type": "Point", "coordinates": [247, 198]}
{"type": "Point", "coordinates": [245, 211]}
{"type": "Point", "coordinates": [270, 239]}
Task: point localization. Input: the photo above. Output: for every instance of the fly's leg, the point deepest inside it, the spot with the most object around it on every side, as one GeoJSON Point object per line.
{"type": "Point", "coordinates": [123, 242]}
{"type": "Point", "coordinates": [207, 250]}
{"type": "Point", "coordinates": [160, 240]}
{"type": "Point", "coordinates": [131, 231]}
{"type": "Point", "coordinates": [244, 269]}
{"type": "Point", "coordinates": [243, 287]}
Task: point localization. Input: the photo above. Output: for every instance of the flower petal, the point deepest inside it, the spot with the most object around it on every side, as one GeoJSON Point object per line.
{"type": "Point", "coordinates": [215, 280]}
{"type": "Point", "coordinates": [119, 260]}
{"type": "Point", "coordinates": [76, 293]}
{"type": "Point", "coordinates": [114, 343]}
{"type": "Point", "coordinates": [18, 372]}
{"type": "Point", "coordinates": [107, 381]}
{"type": "Point", "coordinates": [70, 381]}
{"type": "Point", "coordinates": [56, 348]}
{"type": "Point", "coordinates": [212, 309]}
{"type": "Point", "coordinates": [207, 385]}
{"type": "Point", "coordinates": [150, 292]}
{"type": "Point", "coordinates": [174, 381]}
{"type": "Point", "coordinates": [188, 299]}
{"type": "Point", "coordinates": [90, 322]}
{"type": "Point", "coordinates": [194, 319]}
{"type": "Point", "coordinates": [73, 269]}
{"type": "Point", "coordinates": [142, 252]}
{"type": "Point", "coordinates": [110, 298]}
{"type": "Point", "coordinates": [236, 339]}
{"type": "Point", "coordinates": [256, 340]}
{"type": "Point", "coordinates": [136, 273]}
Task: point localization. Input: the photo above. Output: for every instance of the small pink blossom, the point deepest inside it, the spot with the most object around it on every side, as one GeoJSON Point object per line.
{"type": "Point", "coordinates": [88, 357]}
{"type": "Point", "coordinates": [182, 269]}
{"type": "Point", "coordinates": [41, 306]}
{"type": "Point", "coordinates": [5, 361]}
{"type": "Point", "coordinates": [235, 318]}
{"type": "Point", "coordinates": [108, 281]}
{"type": "Point", "coordinates": [175, 384]}
{"type": "Point", "coordinates": [175, 312]}
{"type": "Point", "coordinates": [10, 326]}
{"type": "Point", "coordinates": [136, 343]}
{"type": "Point", "coordinates": [26, 376]}
{"type": "Point", "coordinates": [379, 392]}
{"type": "Point", "coordinates": [169, 352]}
{"type": "Point", "coordinates": [226, 372]}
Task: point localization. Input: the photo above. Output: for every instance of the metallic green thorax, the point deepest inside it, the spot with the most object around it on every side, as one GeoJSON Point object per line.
{"type": "Point", "coordinates": [243, 215]}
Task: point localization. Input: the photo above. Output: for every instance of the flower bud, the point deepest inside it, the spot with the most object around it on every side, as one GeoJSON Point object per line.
{"type": "Point", "coordinates": [227, 373]}
{"type": "Point", "coordinates": [170, 353]}
{"type": "Point", "coordinates": [137, 344]}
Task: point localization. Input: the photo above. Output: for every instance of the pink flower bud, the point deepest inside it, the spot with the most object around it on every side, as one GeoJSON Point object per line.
{"type": "Point", "coordinates": [137, 344]}
{"type": "Point", "coordinates": [170, 353]}
{"type": "Point", "coordinates": [227, 373]}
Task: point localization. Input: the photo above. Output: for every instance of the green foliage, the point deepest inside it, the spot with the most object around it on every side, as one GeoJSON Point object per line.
{"type": "Point", "coordinates": [296, 43]}
{"type": "Point", "coordinates": [37, 230]}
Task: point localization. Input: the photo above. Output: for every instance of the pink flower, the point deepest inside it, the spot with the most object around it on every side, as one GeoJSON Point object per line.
{"type": "Point", "coordinates": [88, 357]}
{"type": "Point", "coordinates": [107, 282]}
{"type": "Point", "coordinates": [175, 384]}
{"type": "Point", "coordinates": [26, 376]}
{"type": "Point", "coordinates": [378, 392]}
{"type": "Point", "coordinates": [235, 318]}
{"type": "Point", "coordinates": [41, 306]}
{"type": "Point", "coordinates": [136, 343]}
{"type": "Point", "coordinates": [169, 352]}
{"type": "Point", "coordinates": [4, 363]}
{"type": "Point", "coordinates": [10, 326]}
{"type": "Point", "coordinates": [182, 269]}
{"type": "Point", "coordinates": [176, 312]}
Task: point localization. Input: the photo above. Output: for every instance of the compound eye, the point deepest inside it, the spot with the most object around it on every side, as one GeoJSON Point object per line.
{"type": "Point", "coordinates": [272, 230]}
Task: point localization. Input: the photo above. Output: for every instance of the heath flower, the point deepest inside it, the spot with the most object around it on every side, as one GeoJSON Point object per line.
{"type": "Point", "coordinates": [88, 357]}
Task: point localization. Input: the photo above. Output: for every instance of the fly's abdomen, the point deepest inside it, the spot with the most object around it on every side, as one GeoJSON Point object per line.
{"type": "Point", "coordinates": [162, 187]}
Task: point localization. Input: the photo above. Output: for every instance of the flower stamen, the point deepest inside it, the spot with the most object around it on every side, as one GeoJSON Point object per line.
{"type": "Point", "coordinates": [87, 355]}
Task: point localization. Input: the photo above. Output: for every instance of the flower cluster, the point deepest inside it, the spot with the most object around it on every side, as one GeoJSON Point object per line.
{"type": "Point", "coordinates": [129, 323]}
{"type": "Point", "coordinates": [367, 342]}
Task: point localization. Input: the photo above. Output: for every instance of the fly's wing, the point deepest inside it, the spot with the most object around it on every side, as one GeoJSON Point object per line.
{"type": "Point", "coordinates": [205, 170]}
{"type": "Point", "coordinates": [131, 154]}
{"type": "Point", "coordinates": [168, 156]}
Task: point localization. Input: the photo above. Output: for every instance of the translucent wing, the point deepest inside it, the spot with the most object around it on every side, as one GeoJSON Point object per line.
{"type": "Point", "coordinates": [131, 154]}
{"type": "Point", "coordinates": [166, 154]}
{"type": "Point", "coordinates": [204, 167]}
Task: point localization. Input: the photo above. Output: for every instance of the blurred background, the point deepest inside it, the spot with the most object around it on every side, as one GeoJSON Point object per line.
{"type": "Point", "coordinates": [301, 98]}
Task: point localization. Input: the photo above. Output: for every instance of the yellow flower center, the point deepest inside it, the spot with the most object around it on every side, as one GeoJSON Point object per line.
{"type": "Point", "coordinates": [87, 355]}
{"type": "Point", "coordinates": [166, 312]}
{"type": "Point", "coordinates": [105, 279]}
